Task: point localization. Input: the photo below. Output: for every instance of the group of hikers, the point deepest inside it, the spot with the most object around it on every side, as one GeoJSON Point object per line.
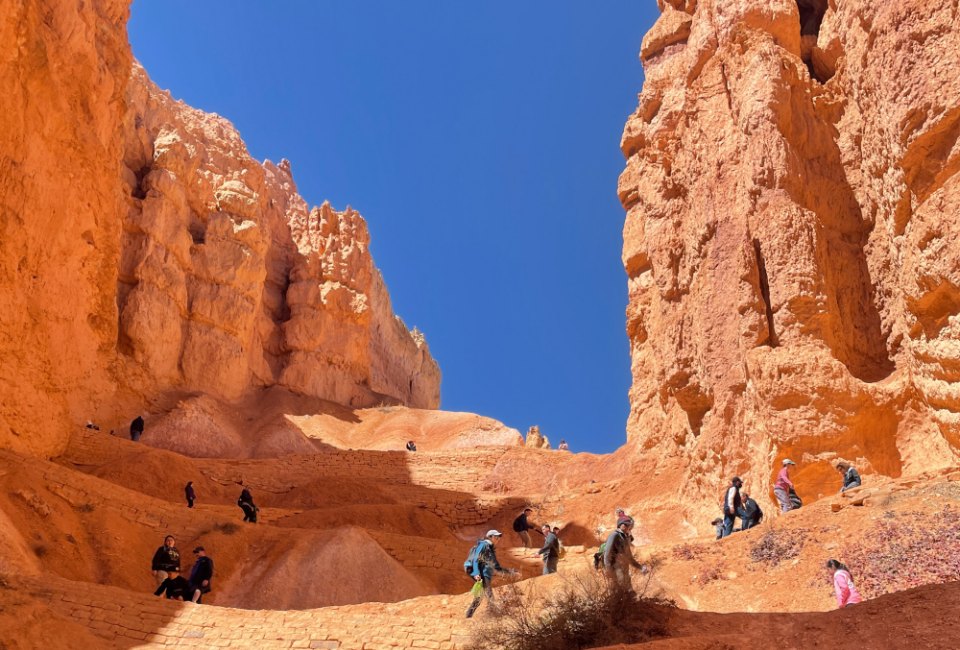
{"type": "Point", "coordinates": [738, 503]}
{"type": "Point", "coordinates": [245, 502]}
{"type": "Point", "coordinates": [166, 570]}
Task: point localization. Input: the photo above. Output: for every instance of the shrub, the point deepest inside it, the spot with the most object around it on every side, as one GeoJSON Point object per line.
{"type": "Point", "coordinates": [778, 545]}
{"type": "Point", "coordinates": [85, 507]}
{"type": "Point", "coordinates": [688, 552]}
{"type": "Point", "coordinates": [914, 549]}
{"type": "Point", "coordinates": [227, 528]}
{"type": "Point", "coordinates": [711, 574]}
{"type": "Point", "coordinates": [582, 612]}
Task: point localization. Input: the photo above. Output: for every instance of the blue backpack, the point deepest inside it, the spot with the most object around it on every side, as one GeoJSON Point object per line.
{"type": "Point", "coordinates": [473, 555]}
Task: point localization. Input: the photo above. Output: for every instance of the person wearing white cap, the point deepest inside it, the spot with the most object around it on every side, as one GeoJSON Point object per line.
{"type": "Point", "coordinates": [484, 564]}
{"type": "Point", "coordinates": [781, 489]}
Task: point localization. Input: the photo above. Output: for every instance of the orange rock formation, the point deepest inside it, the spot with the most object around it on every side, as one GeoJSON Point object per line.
{"type": "Point", "coordinates": [790, 241]}
{"type": "Point", "coordinates": [145, 251]}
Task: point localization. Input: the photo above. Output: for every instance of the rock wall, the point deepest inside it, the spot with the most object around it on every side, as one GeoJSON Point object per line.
{"type": "Point", "coordinates": [791, 241]}
{"type": "Point", "coordinates": [145, 252]}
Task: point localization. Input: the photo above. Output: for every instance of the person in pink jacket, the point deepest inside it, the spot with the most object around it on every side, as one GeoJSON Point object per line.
{"type": "Point", "coordinates": [781, 489]}
{"type": "Point", "coordinates": [847, 593]}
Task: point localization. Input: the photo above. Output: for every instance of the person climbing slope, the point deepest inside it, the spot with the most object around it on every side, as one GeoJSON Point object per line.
{"type": "Point", "coordinates": [843, 586]}
{"type": "Point", "coordinates": [166, 559]}
{"type": "Point", "coordinates": [618, 556]}
{"type": "Point", "coordinates": [521, 526]}
{"type": "Point", "coordinates": [751, 514]}
{"type": "Point", "coordinates": [550, 550]}
{"type": "Point", "coordinates": [246, 504]}
{"type": "Point", "coordinates": [189, 493]}
{"type": "Point", "coordinates": [481, 566]}
{"type": "Point", "coordinates": [732, 504]}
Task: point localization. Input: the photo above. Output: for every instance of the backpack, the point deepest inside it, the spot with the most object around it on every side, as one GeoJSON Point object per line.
{"type": "Point", "coordinates": [473, 555]}
{"type": "Point", "coordinates": [795, 500]}
{"type": "Point", "coordinates": [598, 556]}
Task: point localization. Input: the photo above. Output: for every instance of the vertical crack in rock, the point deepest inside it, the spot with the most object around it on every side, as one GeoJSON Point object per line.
{"type": "Point", "coordinates": [765, 294]}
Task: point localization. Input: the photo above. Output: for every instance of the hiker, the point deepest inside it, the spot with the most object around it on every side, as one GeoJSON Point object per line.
{"type": "Point", "coordinates": [718, 524]}
{"type": "Point", "coordinates": [246, 504]}
{"type": "Point", "coordinates": [563, 446]}
{"type": "Point", "coordinates": [851, 477]}
{"type": "Point", "coordinates": [136, 428]}
{"type": "Point", "coordinates": [411, 445]}
{"type": "Point", "coordinates": [190, 493]}
{"type": "Point", "coordinates": [166, 560]}
{"type": "Point", "coordinates": [783, 486]}
{"type": "Point", "coordinates": [750, 513]}
{"type": "Point", "coordinates": [550, 550]}
{"type": "Point", "coordinates": [846, 592]}
{"type": "Point", "coordinates": [481, 565]}
{"type": "Point", "coordinates": [732, 503]}
{"type": "Point", "coordinates": [200, 575]}
{"type": "Point", "coordinates": [521, 525]}
{"type": "Point", "coordinates": [175, 585]}
{"type": "Point", "coordinates": [92, 426]}
{"type": "Point", "coordinates": [618, 557]}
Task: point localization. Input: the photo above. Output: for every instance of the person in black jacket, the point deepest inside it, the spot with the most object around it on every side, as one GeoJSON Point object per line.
{"type": "Point", "coordinates": [166, 559]}
{"type": "Point", "coordinates": [200, 575]}
{"type": "Point", "coordinates": [750, 513]}
{"type": "Point", "coordinates": [246, 504]}
{"type": "Point", "coordinates": [176, 586]}
{"type": "Point", "coordinates": [136, 428]}
{"type": "Point", "coordinates": [190, 493]}
{"type": "Point", "coordinates": [521, 525]}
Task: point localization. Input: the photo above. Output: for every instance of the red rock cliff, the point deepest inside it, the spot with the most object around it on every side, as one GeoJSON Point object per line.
{"type": "Point", "coordinates": [144, 250]}
{"type": "Point", "coordinates": [791, 240]}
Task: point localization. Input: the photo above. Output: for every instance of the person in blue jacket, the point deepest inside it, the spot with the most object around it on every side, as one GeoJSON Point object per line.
{"type": "Point", "coordinates": [484, 565]}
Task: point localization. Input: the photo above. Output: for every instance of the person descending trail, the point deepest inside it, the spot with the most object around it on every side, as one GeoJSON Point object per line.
{"type": "Point", "coordinates": [175, 585]}
{"type": "Point", "coordinates": [136, 428]}
{"type": "Point", "coordinates": [521, 526]}
{"type": "Point", "coordinates": [851, 477]}
{"type": "Point", "coordinates": [481, 565]}
{"type": "Point", "coordinates": [246, 504]}
{"type": "Point", "coordinates": [189, 493]}
{"type": "Point", "coordinates": [783, 486]}
{"type": "Point", "coordinates": [550, 550]}
{"type": "Point", "coordinates": [200, 575]}
{"type": "Point", "coordinates": [843, 586]}
{"type": "Point", "coordinates": [618, 556]}
{"type": "Point", "coordinates": [166, 559]}
{"type": "Point", "coordinates": [751, 514]}
{"type": "Point", "coordinates": [732, 505]}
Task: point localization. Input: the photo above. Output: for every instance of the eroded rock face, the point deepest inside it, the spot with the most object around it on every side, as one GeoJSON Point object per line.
{"type": "Point", "coordinates": [791, 241]}
{"type": "Point", "coordinates": [145, 252]}
{"type": "Point", "coordinates": [229, 280]}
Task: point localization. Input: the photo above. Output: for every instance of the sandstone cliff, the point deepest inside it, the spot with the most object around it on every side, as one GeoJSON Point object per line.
{"type": "Point", "coordinates": [791, 241]}
{"type": "Point", "coordinates": [145, 252]}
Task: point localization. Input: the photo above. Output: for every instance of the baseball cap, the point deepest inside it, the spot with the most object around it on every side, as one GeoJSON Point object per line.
{"type": "Point", "coordinates": [198, 549]}
{"type": "Point", "coordinates": [787, 461]}
{"type": "Point", "coordinates": [494, 533]}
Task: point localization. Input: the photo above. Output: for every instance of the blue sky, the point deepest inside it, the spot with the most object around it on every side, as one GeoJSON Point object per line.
{"type": "Point", "coordinates": [479, 140]}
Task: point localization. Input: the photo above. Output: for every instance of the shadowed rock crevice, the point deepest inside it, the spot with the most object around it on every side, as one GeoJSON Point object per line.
{"type": "Point", "coordinates": [765, 294]}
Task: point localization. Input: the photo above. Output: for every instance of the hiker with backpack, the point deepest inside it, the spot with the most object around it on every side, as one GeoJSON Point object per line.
{"type": "Point", "coordinates": [750, 514]}
{"type": "Point", "coordinates": [550, 550]}
{"type": "Point", "coordinates": [246, 504]}
{"type": "Point", "coordinates": [521, 526]}
{"type": "Point", "coordinates": [718, 525]}
{"type": "Point", "coordinates": [843, 586]}
{"type": "Point", "coordinates": [784, 486]}
{"type": "Point", "coordinates": [166, 559]}
{"type": "Point", "coordinates": [851, 477]}
{"type": "Point", "coordinates": [618, 556]}
{"type": "Point", "coordinates": [480, 565]}
{"type": "Point", "coordinates": [732, 504]}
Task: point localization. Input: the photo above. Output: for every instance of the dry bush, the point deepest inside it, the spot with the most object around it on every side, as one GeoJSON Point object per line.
{"type": "Point", "coordinates": [778, 545]}
{"type": "Point", "coordinates": [85, 507]}
{"type": "Point", "coordinates": [688, 552]}
{"type": "Point", "coordinates": [584, 611]}
{"type": "Point", "coordinates": [910, 550]}
{"type": "Point", "coordinates": [227, 528]}
{"type": "Point", "coordinates": [711, 574]}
